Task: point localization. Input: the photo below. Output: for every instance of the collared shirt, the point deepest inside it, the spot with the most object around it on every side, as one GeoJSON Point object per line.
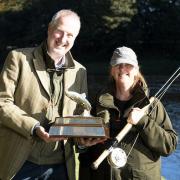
{"type": "Point", "coordinates": [60, 63]}
{"type": "Point", "coordinates": [50, 63]}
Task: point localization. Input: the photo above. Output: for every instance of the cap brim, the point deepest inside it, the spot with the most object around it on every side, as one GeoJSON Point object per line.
{"type": "Point", "coordinates": [122, 61]}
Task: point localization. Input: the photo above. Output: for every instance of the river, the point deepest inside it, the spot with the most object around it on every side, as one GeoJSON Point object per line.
{"type": "Point", "coordinates": [171, 164]}
{"type": "Point", "coordinates": [171, 101]}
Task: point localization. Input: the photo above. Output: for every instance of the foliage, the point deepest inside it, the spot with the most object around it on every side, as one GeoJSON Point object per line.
{"type": "Point", "coordinates": [121, 12]}
{"type": "Point", "coordinates": [150, 27]}
{"type": "Point", "coordinates": [14, 5]}
{"type": "Point", "coordinates": [104, 26]}
{"type": "Point", "coordinates": [156, 26]}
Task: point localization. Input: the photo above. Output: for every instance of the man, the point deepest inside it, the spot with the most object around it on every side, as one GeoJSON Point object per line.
{"type": "Point", "coordinates": [32, 94]}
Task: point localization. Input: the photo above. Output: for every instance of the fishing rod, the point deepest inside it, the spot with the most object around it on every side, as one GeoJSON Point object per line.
{"type": "Point", "coordinates": [166, 86]}
{"type": "Point", "coordinates": [116, 156]}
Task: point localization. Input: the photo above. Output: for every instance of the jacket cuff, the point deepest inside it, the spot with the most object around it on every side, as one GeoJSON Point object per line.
{"type": "Point", "coordinates": [33, 130]}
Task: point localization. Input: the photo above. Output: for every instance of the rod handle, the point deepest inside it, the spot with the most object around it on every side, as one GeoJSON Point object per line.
{"type": "Point", "coordinates": [96, 163]}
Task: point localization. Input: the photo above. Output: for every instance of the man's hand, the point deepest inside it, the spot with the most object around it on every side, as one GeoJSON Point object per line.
{"type": "Point", "coordinates": [42, 134]}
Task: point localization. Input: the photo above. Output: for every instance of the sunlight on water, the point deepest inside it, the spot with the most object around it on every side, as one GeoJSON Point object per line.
{"type": "Point", "coordinates": [171, 164]}
{"type": "Point", "coordinates": [171, 100]}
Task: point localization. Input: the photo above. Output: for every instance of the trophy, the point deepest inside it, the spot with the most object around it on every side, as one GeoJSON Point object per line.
{"type": "Point", "coordinates": [83, 125]}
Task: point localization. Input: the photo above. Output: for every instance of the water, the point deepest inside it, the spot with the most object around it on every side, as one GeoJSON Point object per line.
{"type": "Point", "coordinates": [171, 164]}
{"type": "Point", "coordinates": [171, 100]}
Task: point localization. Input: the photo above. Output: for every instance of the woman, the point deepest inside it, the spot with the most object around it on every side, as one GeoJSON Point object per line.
{"type": "Point", "coordinates": [150, 137]}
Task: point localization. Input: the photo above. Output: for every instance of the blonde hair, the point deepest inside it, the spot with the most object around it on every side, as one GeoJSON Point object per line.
{"type": "Point", "coordinates": [139, 79]}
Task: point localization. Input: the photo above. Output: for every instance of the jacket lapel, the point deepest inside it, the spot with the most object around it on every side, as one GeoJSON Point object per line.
{"type": "Point", "coordinates": [40, 69]}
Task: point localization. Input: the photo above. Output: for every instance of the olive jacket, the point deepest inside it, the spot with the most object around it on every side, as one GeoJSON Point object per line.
{"type": "Point", "coordinates": [154, 133]}
{"type": "Point", "coordinates": [25, 96]}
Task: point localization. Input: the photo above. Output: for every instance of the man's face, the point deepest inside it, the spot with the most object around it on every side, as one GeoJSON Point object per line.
{"type": "Point", "coordinates": [61, 36]}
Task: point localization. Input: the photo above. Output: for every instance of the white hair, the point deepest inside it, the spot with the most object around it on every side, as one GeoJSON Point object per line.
{"type": "Point", "coordinates": [64, 13]}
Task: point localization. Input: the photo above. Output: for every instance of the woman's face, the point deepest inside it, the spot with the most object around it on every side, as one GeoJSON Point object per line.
{"type": "Point", "coordinates": [124, 75]}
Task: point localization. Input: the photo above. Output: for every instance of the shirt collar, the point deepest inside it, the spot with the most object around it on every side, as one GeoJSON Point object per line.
{"type": "Point", "coordinates": [60, 63]}
{"type": "Point", "coordinates": [65, 63]}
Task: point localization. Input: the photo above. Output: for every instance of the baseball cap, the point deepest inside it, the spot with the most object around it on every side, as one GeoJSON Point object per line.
{"type": "Point", "coordinates": [124, 55]}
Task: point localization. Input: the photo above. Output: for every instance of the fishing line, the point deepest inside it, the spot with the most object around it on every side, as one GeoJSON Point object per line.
{"type": "Point", "coordinates": [169, 80]}
{"type": "Point", "coordinates": [158, 96]}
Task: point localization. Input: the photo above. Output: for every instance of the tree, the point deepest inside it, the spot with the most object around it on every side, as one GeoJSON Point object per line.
{"type": "Point", "coordinates": [156, 26]}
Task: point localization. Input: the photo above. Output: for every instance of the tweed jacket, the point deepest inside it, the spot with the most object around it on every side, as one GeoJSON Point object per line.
{"type": "Point", "coordinates": [25, 94]}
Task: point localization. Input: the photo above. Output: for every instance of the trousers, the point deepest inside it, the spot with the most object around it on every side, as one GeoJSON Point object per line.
{"type": "Point", "coordinates": [32, 171]}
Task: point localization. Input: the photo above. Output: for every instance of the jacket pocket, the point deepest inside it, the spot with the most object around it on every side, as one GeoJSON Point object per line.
{"type": "Point", "coordinates": [145, 174]}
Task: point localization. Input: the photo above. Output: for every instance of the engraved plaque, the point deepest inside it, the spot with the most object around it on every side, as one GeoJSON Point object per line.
{"type": "Point", "coordinates": [78, 126]}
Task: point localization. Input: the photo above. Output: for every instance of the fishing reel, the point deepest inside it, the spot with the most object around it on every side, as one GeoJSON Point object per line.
{"type": "Point", "coordinates": [117, 158]}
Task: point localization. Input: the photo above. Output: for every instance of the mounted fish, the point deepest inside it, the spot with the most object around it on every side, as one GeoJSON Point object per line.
{"type": "Point", "coordinates": [83, 125]}
{"type": "Point", "coordinates": [81, 100]}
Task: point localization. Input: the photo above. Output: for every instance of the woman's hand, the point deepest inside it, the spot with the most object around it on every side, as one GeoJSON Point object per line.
{"type": "Point", "coordinates": [135, 115]}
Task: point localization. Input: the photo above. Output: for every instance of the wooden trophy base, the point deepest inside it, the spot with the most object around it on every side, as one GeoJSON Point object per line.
{"type": "Point", "coordinates": [79, 126]}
